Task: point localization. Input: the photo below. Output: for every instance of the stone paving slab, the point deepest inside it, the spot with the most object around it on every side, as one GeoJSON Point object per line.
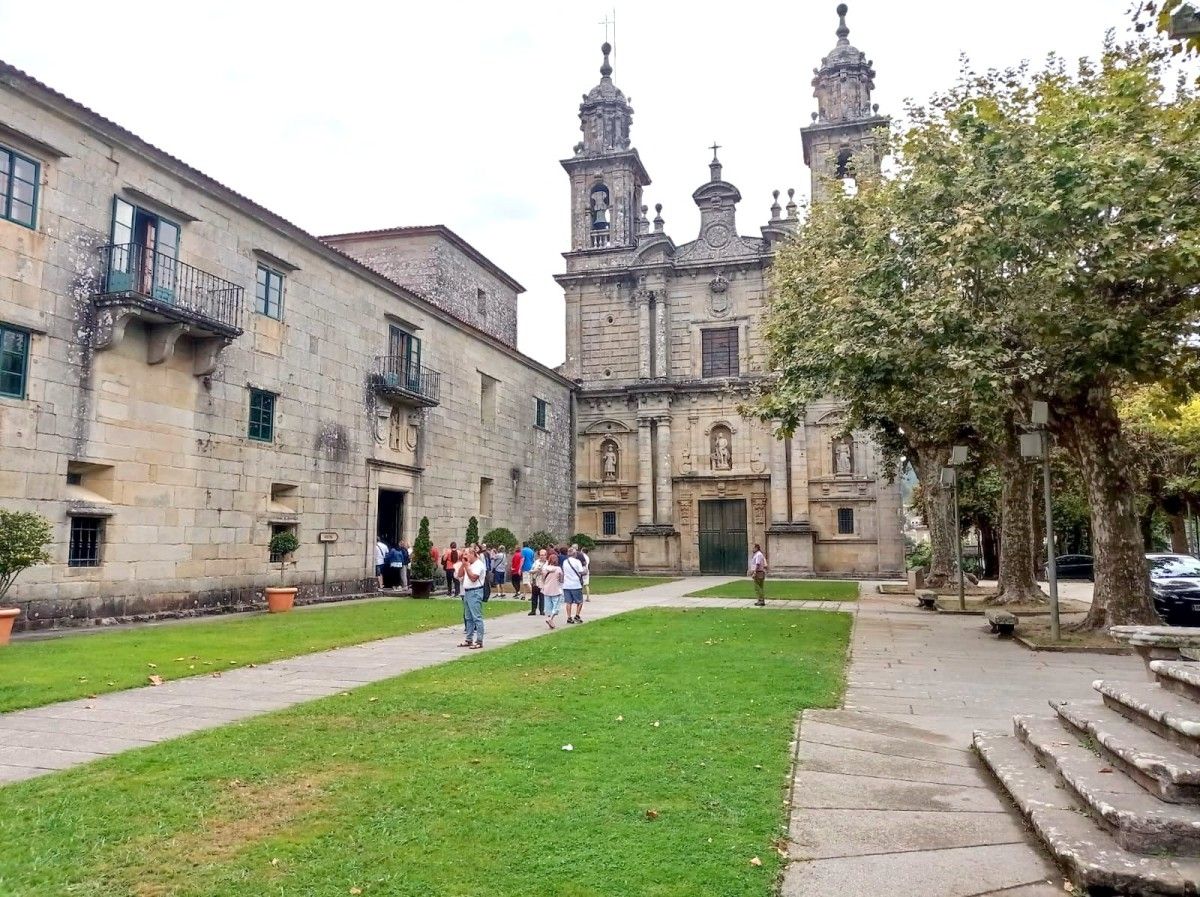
{"type": "Point", "coordinates": [825, 834]}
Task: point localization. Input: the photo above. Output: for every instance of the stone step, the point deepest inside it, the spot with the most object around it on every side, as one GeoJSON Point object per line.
{"type": "Point", "coordinates": [1140, 822]}
{"type": "Point", "coordinates": [1160, 766]}
{"type": "Point", "coordinates": [1091, 856]}
{"type": "Point", "coordinates": [1149, 705]}
{"type": "Point", "coordinates": [1178, 676]}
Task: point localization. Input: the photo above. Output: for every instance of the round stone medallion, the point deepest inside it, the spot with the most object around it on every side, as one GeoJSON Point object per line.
{"type": "Point", "coordinates": [717, 235]}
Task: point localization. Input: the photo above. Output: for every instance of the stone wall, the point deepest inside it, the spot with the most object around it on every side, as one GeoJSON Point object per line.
{"type": "Point", "coordinates": [164, 455]}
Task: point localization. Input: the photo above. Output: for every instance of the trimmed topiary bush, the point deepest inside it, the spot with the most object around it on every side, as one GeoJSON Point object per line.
{"type": "Point", "coordinates": [583, 540]}
{"type": "Point", "coordinates": [422, 553]}
{"type": "Point", "coordinates": [541, 539]}
{"type": "Point", "coordinates": [500, 536]}
{"type": "Point", "coordinates": [472, 532]}
{"type": "Point", "coordinates": [281, 545]}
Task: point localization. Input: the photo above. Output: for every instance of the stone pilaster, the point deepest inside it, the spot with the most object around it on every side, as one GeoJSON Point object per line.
{"type": "Point", "coordinates": [663, 483]}
{"type": "Point", "coordinates": [662, 350]}
{"type": "Point", "coordinates": [800, 476]}
{"type": "Point", "coordinates": [643, 313]}
{"type": "Point", "coordinates": [779, 484]}
{"type": "Point", "coordinates": [645, 475]}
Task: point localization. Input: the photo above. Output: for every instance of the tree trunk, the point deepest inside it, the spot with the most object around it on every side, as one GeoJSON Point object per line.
{"type": "Point", "coordinates": [1018, 582]}
{"type": "Point", "coordinates": [1179, 538]}
{"type": "Point", "coordinates": [939, 512]}
{"type": "Point", "coordinates": [1122, 590]}
{"type": "Point", "coordinates": [989, 545]}
{"type": "Point", "coordinates": [1146, 528]}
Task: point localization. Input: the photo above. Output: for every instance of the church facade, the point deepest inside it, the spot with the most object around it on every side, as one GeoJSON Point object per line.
{"type": "Point", "coordinates": [665, 343]}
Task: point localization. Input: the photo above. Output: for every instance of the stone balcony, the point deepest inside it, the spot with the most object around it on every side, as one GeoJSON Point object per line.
{"type": "Point", "coordinates": [173, 300]}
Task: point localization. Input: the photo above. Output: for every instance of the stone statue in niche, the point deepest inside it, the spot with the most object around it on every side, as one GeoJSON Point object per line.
{"type": "Point", "coordinates": [608, 459]}
{"type": "Point", "coordinates": [843, 456]}
{"type": "Point", "coordinates": [599, 206]}
{"type": "Point", "coordinates": [722, 449]}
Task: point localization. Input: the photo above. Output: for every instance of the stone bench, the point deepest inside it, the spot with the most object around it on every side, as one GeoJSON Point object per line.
{"type": "Point", "coordinates": [1159, 642]}
{"type": "Point", "coordinates": [1002, 622]}
{"type": "Point", "coordinates": [926, 598]}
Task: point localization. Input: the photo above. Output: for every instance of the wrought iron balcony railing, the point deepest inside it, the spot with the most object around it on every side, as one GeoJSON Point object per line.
{"type": "Point", "coordinates": [162, 282]}
{"type": "Point", "coordinates": [397, 377]}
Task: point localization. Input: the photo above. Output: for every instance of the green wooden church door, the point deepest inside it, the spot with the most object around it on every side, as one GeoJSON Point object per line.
{"type": "Point", "coordinates": [723, 548]}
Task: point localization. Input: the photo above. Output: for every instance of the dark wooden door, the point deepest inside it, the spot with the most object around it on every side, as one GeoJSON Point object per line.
{"type": "Point", "coordinates": [723, 536]}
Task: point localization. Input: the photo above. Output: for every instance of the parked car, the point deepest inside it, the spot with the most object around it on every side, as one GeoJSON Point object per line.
{"type": "Point", "coordinates": [1175, 582]}
{"type": "Point", "coordinates": [1071, 566]}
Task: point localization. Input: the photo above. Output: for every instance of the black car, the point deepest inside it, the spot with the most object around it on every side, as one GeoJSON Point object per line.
{"type": "Point", "coordinates": [1175, 582]}
{"type": "Point", "coordinates": [1071, 566]}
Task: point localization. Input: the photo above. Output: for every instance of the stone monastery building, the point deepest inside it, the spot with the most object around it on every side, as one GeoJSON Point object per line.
{"type": "Point", "coordinates": [183, 373]}
{"type": "Point", "coordinates": [666, 341]}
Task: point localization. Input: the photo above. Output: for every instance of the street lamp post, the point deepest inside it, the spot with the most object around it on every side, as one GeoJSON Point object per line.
{"type": "Point", "coordinates": [958, 457]}
{"type": "Point", "coordinates": [1036, 446]}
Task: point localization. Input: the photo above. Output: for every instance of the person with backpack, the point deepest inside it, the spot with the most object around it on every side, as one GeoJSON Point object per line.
{"type": "Point", "coordinates": [573, 570]}
{"type": "Point", "coordinates": [394, 561]}
{"type": "Point", "coordinates": [450, 559]}
{"type": "Point", "coordinates": [499, 568]}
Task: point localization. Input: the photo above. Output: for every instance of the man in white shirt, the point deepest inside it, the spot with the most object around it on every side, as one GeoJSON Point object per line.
{"type": "Point", "coordinates": [574, 569]}
{"type": "Point", "coordinates": [758, 570]}
{"type": "Point", "coordinates": [472, 571]}
{"type": "Point", "coordinates": [381, 550]}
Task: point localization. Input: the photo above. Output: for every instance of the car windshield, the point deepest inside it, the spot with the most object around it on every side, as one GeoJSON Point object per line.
{"type": "Point", "coordinates": [1168, 567]}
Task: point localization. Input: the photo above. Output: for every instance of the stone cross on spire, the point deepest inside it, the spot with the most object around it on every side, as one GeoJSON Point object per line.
{"type": "Point", "coordinates": [714, 167]}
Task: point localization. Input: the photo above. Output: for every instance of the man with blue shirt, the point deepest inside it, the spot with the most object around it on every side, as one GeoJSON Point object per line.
{"type": "Point", "coordinates": [527, 556]}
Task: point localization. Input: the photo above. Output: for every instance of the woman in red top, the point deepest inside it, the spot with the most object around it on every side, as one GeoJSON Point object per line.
{"type": "Point", "coordinates": [449, 562]}
{"type": "Point", "coordinates": [514, 570]}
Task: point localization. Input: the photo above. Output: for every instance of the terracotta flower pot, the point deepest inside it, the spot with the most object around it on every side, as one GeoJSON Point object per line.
{"type": "Point", "coordinates": [8, 616]}
{"type": "Point", "coordinates": [421, 588]}
{"type": "Point", "coordinates": [280, 600]}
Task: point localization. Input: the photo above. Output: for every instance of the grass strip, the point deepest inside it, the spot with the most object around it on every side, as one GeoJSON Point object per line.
{"type": "Point", "coordinates": [453, 780]}
{"type": "Point", "coordinates": [35, 672]}
{"type": "Point", "coordinates": [608, 585]}
{"type": "Point", "coordinates": [785, 589]}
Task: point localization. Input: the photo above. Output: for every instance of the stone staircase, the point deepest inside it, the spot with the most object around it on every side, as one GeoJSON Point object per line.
{"type": "Point", "coordinates": [1112, 785]}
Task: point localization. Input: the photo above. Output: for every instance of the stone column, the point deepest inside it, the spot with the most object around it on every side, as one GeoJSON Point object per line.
{"type": "Point", "coordinates": [645, 475]}
{"type": "Point", "coordinates": [662, 341]}
{"type": "Point", "coordinates": [779, 495]}
{"type": "Point", "coordinates": [643, 312]}
{"type": "Point", "coordinates": [663, 486]}
{"type": "Point", "coordinates": [800, 474]}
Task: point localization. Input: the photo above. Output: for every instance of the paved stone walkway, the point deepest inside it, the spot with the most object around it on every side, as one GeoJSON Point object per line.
{"type": "Point", "coordinates": [887, 796]}
{"type": "Point", "coordinates": [43, 739]}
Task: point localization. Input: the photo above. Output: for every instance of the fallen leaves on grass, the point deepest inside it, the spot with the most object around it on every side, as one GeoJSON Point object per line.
{"type": "Point", "coordinates": [152, 666]}
{"type": "Point", "coordinates": [568, 747]}
{"type": "Point", "coordinates": [620, 719]}
{"type": "Point", "coordinates": [652, 814]}
{"type": "Point", "coordinates": [655, 724]}
{"type": "Point", "coordinates": [356, 890]}
{"type": "Point", "coordinates": [156, 680]}
{"type": "Point", "coordinates": [755, 861]}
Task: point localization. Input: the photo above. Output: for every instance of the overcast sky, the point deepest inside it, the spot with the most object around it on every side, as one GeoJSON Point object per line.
{"type": "Point", "coordinates": [356, 115]}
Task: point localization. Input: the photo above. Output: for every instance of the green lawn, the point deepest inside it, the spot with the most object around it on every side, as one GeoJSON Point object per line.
{"type": "Point", "coordinates": [37, 672]}
{"type": "Point", "coordinates": [452, 780]}
{"type": "Point", "coordinates": [789, 589]}
{"type": "Point", "coordinates": [607, 585]}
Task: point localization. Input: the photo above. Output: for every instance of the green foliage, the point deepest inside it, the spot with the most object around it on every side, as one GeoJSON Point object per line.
{"type": "Point", "coordinates": [24, 536]}
{"type": "Point", "coordinates": [698, 674]}
{"type": "Point", "coordinates": [1159, 15]}
{"type": "Point", "coordinates": [919, 555]}
{"type": "Point", "coordinates": [584, 541]}
{"type": "Point", "coordinates": [472, 537]}
{"type": "Point", "coordinates": [500, 536]}
{"type": "Point", "coordinates": [541, 539]}
{"type": "Point", "coordinates": [421, 563]}
{"type": "Point", "coordinates": [282, 544]}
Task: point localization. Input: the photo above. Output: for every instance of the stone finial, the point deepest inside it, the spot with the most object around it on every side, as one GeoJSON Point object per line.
{"type": "Point", "coordinates": [775, 210]}
{"type": "Point", "coordinates": [791, 206]}
{"type": "Point", "coordinates": [658, 218]}
{"type": "Point", "coordinates": [643, 221]}
{"type": "Point", "coordinates": [843, 30]}
{"type": "Point", "coordinates": [714, 167]}
{"type": "Point", "coordinates": [606, 66]}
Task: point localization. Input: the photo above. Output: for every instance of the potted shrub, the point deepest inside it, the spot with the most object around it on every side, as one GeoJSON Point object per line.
{"type": "Point", "coordinates": [281, 598]}
{"type": "Point", "coordinates": [23, 540]}
{"type": "Point", "coordinates": [421, 563]}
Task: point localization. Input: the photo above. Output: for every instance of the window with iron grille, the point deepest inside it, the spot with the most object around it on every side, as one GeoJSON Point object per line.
{"type": "Point", "coordinates": [719, 352]}
{"type": "Point", "coordinates": [540, 419]}
{"type": "Point", "coordinates": [14, 361]}
{"type": "Point", "coordinates": [845, 521]}
{"type": "Point", "coordinates": [268, 292]}
{"type": "Point", "coordinates": [262, 415]}
{"type": "Point", "coordinates": [280, 528]}
{"type": "Point", "coordinates": [87, 538]}
{"type": "Point", "coordinates": [19, 178]}
{"type": "Point", "coordinates": [610, 523]}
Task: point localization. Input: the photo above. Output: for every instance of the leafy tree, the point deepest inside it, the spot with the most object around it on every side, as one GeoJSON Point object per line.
{"type": "Point", "coordinates": [1159, 16]}
{"type": "Point", "coordinates": [500, 536]}
{"type": "Point", "coordinates": [472, 537]}
{"type": "Point", "coordinates": [282, 544]}
{"type": "Point", "coordinates": [584, 541]}
{"type": "Point", "coordinates": [24, 536]}
{"type": "Point", "coordinates": [422, 553]}
{"type": "Point", "coordinates": [541, 539]}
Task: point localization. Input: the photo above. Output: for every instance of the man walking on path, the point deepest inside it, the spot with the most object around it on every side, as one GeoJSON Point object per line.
{"type": "Point", "coordinates": [574, 569]}
{"type": "Point", "coordinates": [471, 571]}
{"type": "Point", "coordinates": [528, 555]}
{"type": "Point", "coordinates": [758, 570]}
{"type": "Point", "coordinates": [381, 550]}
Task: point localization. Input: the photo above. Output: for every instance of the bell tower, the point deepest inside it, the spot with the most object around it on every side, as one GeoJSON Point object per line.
{"type": "Point", "coordinates": [607, 176]}
{"type": "Point", "coordinates": [847, 132]}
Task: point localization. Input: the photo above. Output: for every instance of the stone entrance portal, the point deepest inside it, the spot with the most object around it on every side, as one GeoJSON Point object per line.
{"type": "Point", "coordinates": [390, 524]}
{"type": "Point", "coordinates": [723, 544]}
